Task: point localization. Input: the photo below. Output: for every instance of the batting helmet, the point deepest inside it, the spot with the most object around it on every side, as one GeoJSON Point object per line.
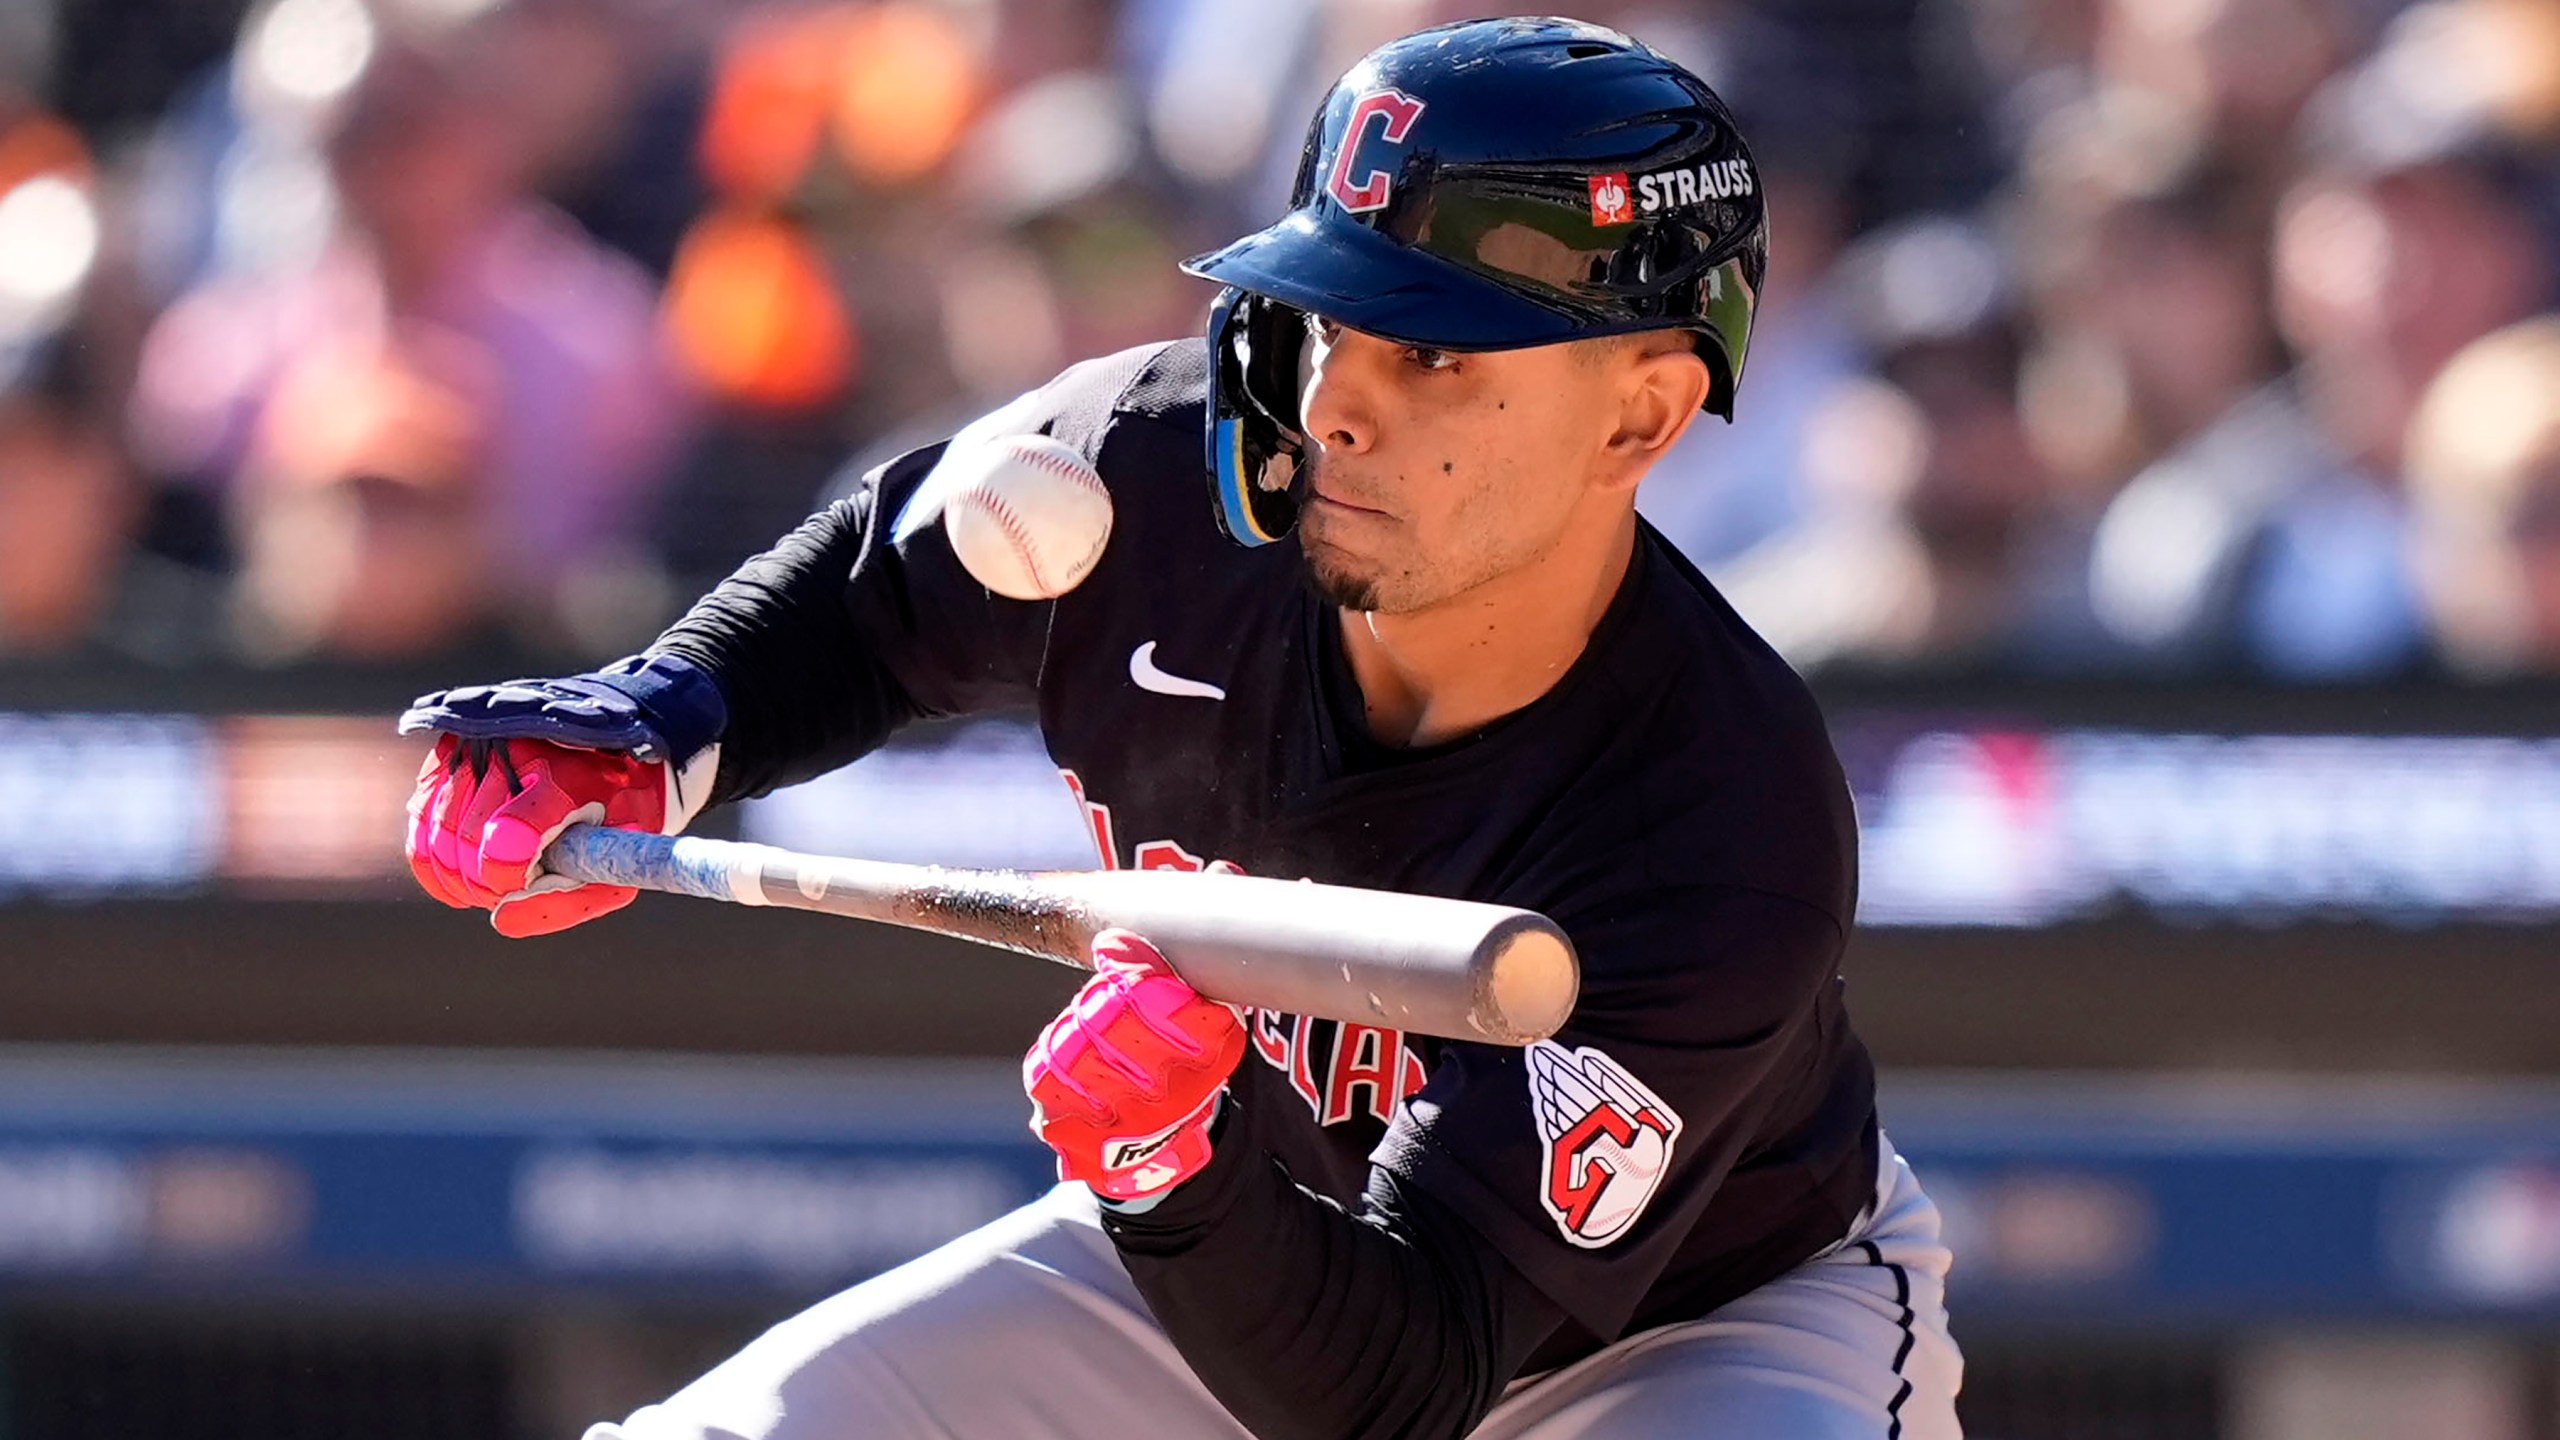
{"type": "Point", "coordinates": [1487, 185]}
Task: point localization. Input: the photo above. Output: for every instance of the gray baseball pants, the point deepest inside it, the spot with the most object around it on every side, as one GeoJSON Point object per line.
{"type": "Point", "coordinates": [1029, 1327]}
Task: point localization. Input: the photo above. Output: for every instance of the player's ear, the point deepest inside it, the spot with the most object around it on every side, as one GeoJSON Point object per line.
{"type": "Point", "coordinates": [1664, 388]}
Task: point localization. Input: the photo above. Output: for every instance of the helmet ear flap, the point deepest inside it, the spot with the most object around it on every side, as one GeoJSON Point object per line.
{"type": "Point", "coordinates": [1254, 442]}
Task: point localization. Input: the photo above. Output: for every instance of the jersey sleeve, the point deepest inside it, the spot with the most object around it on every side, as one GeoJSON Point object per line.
{"type": "Point", "coordinates": [1586, 1158]}
{"type": "Point", "coordinates": [856, 624]}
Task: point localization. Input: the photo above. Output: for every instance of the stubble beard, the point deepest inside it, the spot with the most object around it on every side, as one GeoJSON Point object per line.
{"type": "Point", "coordinates": [1406, 581]}
{"type": "Point", "coordinates": [1332, 576]}
{"type": "Point", "coordinates": [1325, 574]}
{"type": "Point", "coordinates": [1332, 584]}
{"type": "Point", "coordinates": [1385, 589]}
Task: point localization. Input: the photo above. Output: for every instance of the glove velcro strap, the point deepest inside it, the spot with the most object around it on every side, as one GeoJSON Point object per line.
{"type": "Point", "coordinates": [680, 699]}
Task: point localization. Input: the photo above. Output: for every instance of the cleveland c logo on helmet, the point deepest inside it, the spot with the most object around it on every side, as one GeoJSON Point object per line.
{"type": "Point", "coordinates": [1398, 110]}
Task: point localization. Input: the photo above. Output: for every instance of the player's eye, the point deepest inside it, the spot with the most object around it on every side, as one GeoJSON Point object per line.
{"type": "Point", "coordinates": [1426, 358]}
{"type": "Point", "coordinates": [1321, 330]}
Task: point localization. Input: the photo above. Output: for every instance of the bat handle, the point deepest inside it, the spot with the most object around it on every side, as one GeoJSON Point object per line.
{"type": "Point", "coordinates": [677, 864]}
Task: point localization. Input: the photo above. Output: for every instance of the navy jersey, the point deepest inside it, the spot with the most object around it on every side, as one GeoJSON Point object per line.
{"type": "Point", "coordinates": [1702, 1124]}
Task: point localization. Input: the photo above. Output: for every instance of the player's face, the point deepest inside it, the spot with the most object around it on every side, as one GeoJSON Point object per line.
{"type": "Point", "coordinates": [1433, 472]}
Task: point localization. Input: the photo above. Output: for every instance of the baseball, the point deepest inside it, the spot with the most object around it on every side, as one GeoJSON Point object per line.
{"type": "Point", "coordinates": [1026, 514]}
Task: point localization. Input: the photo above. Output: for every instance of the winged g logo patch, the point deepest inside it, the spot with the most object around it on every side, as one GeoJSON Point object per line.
{"type": "Point", "coordinates": [1606, 1141]}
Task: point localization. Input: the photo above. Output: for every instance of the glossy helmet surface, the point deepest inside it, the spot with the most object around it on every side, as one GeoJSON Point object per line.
{"type": "Point", "coordinates": [1487, 185]}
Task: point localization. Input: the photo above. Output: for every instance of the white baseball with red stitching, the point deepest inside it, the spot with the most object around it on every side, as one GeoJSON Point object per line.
{"type": "Point", "coordinates": [1026, 514]}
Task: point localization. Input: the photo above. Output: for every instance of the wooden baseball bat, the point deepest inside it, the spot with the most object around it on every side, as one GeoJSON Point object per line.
{"type": "Point", "coordinates": [1451, 968]}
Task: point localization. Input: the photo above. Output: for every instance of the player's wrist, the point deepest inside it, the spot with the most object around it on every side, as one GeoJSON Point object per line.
{"type": "Point", "coordinates": [1142, 1170]}
{"type": "Point", "coordinates": [678, 701]}
{"type": "Point", "coordinates": [1203, 1198]}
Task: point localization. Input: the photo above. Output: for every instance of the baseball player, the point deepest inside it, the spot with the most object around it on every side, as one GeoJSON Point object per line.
{"type": "Point", "coordinates": [1446, 658]}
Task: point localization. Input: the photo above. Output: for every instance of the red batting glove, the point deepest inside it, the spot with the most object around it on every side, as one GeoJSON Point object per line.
{"type": "Point", "coordinates": [1124, 1083]}
{"type": "Point", "coordinates": [484, 811]}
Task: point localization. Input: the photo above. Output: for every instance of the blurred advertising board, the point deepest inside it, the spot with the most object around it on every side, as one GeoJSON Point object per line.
{"type": "Point", "coordinates": [1968, 823]}
{"type": "Point", "coordinates": [2194, 1199]}
{"type": "Point", "coordinates": [2186, 1202]}
{"type": "Point", "coordinates": [370, 1169]}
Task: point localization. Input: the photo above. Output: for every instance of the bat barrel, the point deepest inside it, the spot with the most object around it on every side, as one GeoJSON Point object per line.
{"type": "Point", "coordinates": [1529, 978]}
{"type": "Point", "coordinates": [1431, 966]}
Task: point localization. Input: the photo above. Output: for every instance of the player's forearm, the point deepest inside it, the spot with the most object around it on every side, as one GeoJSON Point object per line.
{"type": "Point", "coordinates": [1307, 1320]}
{"type": "Point", "coordinates": [806, 690]}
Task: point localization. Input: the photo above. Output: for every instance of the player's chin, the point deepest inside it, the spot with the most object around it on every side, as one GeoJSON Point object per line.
{"type": "Point", "coordinates": [1335, 578]}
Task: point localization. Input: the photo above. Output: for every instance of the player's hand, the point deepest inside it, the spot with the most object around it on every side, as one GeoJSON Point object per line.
{"type": "Point", "coordinates": [1125, 1082]}
{"type": "Point", "coordinates": [634, 745]}
{"type": "Point", "coordinates": [485, 810]}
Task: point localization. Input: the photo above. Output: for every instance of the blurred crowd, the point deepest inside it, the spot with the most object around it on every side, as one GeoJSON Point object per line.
{"type": "Point", "coordinates": [2174, 338]}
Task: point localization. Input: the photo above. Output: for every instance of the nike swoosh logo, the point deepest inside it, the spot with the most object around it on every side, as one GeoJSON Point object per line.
{"type": "Point", "coordinates": [1143, 672]}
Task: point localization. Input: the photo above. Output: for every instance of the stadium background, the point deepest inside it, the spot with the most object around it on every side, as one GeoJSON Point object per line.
{"type": "Point", "coordinates": [2150, 449]}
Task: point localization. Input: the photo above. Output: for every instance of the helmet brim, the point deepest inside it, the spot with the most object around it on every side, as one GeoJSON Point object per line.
{"type": "Point", "coordinates": [1357, 277]}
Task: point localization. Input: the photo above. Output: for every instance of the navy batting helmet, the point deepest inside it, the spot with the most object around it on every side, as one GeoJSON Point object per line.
{"type": "Point", "coordinates": [1484, 186]}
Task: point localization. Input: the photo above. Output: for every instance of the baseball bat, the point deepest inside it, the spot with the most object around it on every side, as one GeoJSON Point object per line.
{"type": "Point", "coordinates": [1452, 968]}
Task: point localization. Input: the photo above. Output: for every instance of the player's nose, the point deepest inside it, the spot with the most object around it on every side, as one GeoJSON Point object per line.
{"type": "Point", "coordinates": [1338, 404]}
